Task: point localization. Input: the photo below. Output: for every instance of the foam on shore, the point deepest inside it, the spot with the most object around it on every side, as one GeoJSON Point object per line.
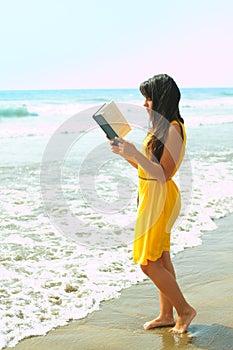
{"type": "Point", "coordinates": [205, 276]}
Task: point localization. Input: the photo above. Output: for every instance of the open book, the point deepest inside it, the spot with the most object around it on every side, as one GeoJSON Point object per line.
{"type": "Point", "coordinates": [112, 121]}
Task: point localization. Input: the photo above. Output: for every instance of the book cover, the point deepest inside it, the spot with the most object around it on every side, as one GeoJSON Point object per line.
{"type": "Point", "coordinates": [114, 118]}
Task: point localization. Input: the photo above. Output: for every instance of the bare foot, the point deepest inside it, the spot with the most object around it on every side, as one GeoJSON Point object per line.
{"type": "Point", "coordinates": [159, 322]}
{"type": "Point", "coordinates": [183, 321]}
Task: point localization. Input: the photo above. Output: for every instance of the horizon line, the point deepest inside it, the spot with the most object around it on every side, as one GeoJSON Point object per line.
{"type": "Point", "coordinates": [113, 88]}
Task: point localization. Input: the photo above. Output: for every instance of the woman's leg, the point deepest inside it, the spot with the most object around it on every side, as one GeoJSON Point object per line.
{"type": "Point", "coordinates": [167, 284]}
{"type": "Point", "coordinates": [166, 308]}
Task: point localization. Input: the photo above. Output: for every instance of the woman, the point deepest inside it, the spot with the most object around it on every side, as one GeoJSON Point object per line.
{"type": "Point", "coordinates": [159, 198]}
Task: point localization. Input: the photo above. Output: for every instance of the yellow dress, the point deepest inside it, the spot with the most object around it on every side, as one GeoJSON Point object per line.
{"type": "Point", "coordinates": [158, 208]}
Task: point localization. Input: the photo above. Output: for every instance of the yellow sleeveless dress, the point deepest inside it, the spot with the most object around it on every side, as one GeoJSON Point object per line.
{"type": "Point", "coordinates": [158, 208]}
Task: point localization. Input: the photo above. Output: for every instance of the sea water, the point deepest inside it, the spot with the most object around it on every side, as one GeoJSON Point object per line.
{"type": "Point", "coordinates": [51, 273]}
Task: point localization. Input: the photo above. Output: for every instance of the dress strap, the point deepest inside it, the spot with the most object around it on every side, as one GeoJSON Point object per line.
{"type": "Point", "coordinates": [175, 122]}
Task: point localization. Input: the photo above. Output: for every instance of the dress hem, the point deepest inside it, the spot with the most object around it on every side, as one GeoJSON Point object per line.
{"type": "Point", "coordinates": [150, 259]}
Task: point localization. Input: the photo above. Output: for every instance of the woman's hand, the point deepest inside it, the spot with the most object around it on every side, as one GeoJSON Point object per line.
{"type": "Point", "coordinates": [120, 149]}
{"type": "Point", "coordinates": [124, 148]}
{"type": "Point", "coordinates": [115, 147]}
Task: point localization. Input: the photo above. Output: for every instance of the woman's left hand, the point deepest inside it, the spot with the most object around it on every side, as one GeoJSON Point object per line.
{"type": "Point", "coordinates": [124, 148]}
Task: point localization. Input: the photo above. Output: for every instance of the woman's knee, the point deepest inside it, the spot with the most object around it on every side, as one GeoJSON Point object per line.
{"type": "Point", "coordinates": [145, 269]}
{"type": "Point", "coordinates": [166, 259]}
{"type": "Point", "coordinates": [151, 266]}
{"type": "Point", "coordinates": [167, 263]}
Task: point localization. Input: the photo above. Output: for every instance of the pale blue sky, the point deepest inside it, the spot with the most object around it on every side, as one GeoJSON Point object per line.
{"type": "Point", "coordinates": [57, 44]}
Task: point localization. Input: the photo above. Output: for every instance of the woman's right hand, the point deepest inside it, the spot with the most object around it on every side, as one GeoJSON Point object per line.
{"type": "Point", "coordinates": [117, 150]}
{"type": "Point", "coordinates": [115, 147]}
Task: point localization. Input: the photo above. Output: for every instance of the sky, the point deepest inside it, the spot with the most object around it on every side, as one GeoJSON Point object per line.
{"type": "Point", "coordinates": [68, 44]}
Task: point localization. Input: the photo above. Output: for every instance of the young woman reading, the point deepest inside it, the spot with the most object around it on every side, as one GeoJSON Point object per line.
{"type": "Point", "coordinates": [159, 198]}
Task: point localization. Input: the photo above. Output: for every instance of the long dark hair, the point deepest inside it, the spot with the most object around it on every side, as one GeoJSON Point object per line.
{"type": "Point", "coordinates": [165, 96]}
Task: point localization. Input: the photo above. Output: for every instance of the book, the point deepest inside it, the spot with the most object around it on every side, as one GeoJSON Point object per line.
{"type": "Point", "coordinates": [112, 121]}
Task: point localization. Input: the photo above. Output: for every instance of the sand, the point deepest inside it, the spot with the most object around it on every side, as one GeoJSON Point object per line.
{"type": "Point", "coordinates": [205, 276]}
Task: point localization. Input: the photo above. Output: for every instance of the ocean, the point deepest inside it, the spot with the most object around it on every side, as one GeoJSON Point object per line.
{"type": "Point", "coordinates": [68, 204]}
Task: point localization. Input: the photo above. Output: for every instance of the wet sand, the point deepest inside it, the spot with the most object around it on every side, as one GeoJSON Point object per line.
{"type": "Point", "coordinates": [205, 276]}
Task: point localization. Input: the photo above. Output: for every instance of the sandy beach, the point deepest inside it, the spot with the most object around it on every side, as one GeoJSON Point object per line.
{"type": "Point", "coordinates": [205, 276]}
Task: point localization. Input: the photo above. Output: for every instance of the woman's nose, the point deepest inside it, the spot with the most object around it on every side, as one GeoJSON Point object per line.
{"type": "Point", "coordinates": [145, 103]}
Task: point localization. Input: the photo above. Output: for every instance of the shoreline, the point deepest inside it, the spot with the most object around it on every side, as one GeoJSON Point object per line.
{"type": "Point", "coordinates": [204, 274]}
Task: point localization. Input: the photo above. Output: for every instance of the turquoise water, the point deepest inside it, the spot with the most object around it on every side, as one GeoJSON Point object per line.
{"type": "Point", "coordinates": [201, 101]}
{"type": "Point", "coordinates": [47, 276]}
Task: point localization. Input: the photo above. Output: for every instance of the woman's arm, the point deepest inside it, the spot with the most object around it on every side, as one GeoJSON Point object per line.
{"type": "Point", "coordinates": [170, 157]}
{"type": "Point", "coordinates": [133, 162]}
{"type": "Point", "coordinates": [130, 160]}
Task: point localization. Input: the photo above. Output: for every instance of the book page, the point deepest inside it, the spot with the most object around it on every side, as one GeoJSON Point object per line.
{"type": "Point", "coordinates": [115, 118]}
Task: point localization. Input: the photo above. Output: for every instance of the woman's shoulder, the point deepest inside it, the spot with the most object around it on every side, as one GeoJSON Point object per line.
{"type": "Point", "coordinates": [176, 122]}
{"type": "Point", "coordinates": [180, 128]}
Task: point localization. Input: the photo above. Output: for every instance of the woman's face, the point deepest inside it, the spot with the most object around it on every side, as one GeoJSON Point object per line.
{"type": "Point", "coordinates": [148, 103]}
